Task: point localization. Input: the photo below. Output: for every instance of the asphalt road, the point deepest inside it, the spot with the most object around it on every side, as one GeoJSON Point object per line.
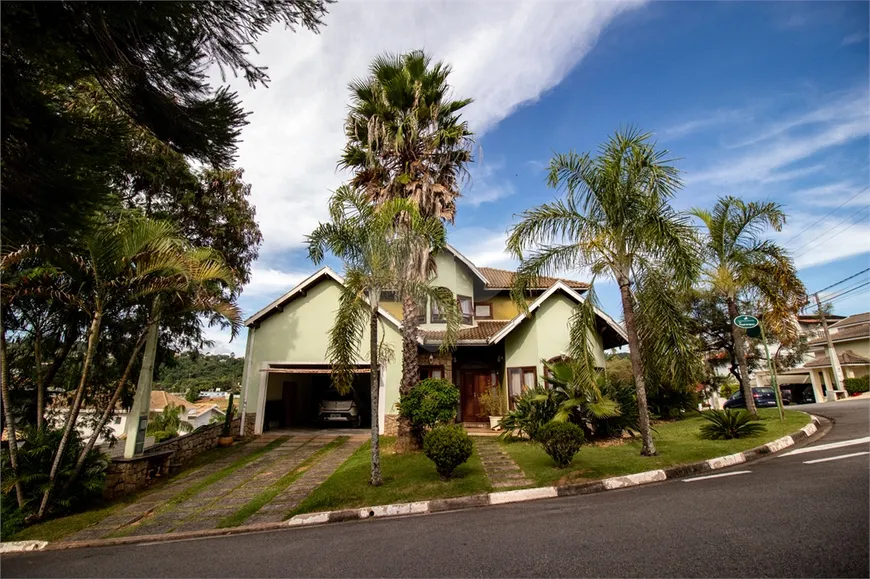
{"type": "Point", "coordinates": [785, 517]}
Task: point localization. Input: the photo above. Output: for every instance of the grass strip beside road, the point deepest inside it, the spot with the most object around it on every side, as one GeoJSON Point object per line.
{"type": "Point", "coordinates": [407, 477]}
{"type": "Point", "coordinates": [677, 442]}
{"type": "Point", "coordinates": [61, 527]}
{"type": "Point", "coordinates": [272, 491]}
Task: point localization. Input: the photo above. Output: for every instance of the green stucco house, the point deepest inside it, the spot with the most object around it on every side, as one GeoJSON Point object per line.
{"type": "Point", "coordinates": [287, 372]}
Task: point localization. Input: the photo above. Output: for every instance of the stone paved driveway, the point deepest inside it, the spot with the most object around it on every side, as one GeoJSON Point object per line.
{"type": "Point", "coordinates": [202, 499]}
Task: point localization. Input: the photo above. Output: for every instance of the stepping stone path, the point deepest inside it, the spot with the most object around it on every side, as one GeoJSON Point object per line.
{"type": "Point", "coordinates": [295, 493]}
{"type": "Point", "coordinates": [151, 500]}
{"type": "Point", "coordinates": [500, 468]}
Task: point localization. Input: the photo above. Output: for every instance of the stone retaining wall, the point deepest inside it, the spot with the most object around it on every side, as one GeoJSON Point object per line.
{"type": "Point", "coordinates": [126, 475]}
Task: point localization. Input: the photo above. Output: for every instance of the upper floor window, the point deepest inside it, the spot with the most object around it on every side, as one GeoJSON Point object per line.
{"type": "Point", "coordinates": [421, 312]}
{"type": "Point", "coordinates": [483, 311]}
{"type": "Point", "coordinates": [467, 309]}
{"type": "Point", "coordinates": [435, 313]}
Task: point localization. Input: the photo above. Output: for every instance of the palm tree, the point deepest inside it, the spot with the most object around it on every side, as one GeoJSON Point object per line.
{"type": "Point", "coordinates": [372, 247]}
{"type": "Point", "coordinates": [406, 140]}
{"type": "Point", "coordinates": [615, 220]}
{"type": "Point", "coordinates": [738, 263]}
{"type": "Point", "coordinates": [169, 423]}
{"type": "Point", "coordinates": [119, 264]}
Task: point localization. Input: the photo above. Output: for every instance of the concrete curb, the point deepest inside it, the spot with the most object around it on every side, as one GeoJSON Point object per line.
{"type": "Point", "coordinates": [442, 505]}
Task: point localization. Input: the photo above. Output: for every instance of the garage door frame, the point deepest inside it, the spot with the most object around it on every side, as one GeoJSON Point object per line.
{"type": "Point", "coordinates": [266, 369]}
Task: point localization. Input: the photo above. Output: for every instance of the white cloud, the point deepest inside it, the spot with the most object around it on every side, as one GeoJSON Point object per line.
{"type": "Point", "coordinates": [854, 39]}
{"type": "Point", "coordinates": [814, 242]}
{"type": "Point", "coordinates": [272, 282]}
{"type": "Point", "coordinates": [705, 122]}
{"type": "Point", "coordinates": [836, 194]}
{"type": "Point", "coordinates": [485, 185]}
{"type": "Point", "coordinates": [769, 155]}
{"type": "Point", "coordinates": [504, 55]}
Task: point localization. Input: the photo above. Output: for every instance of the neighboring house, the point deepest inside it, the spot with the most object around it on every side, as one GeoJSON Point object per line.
{"type": "Point", "coordinates": [287, 370]}
{"type": "Point", "coordinates": [196, 414]}
{"type": "Point", "coordinates": [204, 413]}
{"type": "Point", "coordinates": [851, 340]}
{"type": "Point", "coordinates": [214, 394]}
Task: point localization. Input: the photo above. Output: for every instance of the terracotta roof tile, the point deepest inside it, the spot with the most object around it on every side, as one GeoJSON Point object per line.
{"type": "Point", "coordinates": [160, 399]}
{"type": "Point", "coordinates": [502, 279]}
{"type": "Point", "coordinates": [859, 331]}
{"type": "Point", "coordinates": [483, 331]}
{"type": "Point", "coordinates": [847, 357]}
{"type": "Point", "coordinates": [856, 319]}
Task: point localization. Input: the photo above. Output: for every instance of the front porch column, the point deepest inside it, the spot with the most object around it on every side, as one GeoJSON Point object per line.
{"type": "Point", "coordinates": [817, 386]}
{"type": "Point", "coordinates": [830, 388]}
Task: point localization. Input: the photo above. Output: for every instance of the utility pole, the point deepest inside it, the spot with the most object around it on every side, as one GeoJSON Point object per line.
{"type": "Point", "coordinates": [832, 353]}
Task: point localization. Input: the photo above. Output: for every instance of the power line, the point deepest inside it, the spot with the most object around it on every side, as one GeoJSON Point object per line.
{"type": "Point", "coordinates": [848, 297]}
{"type": "Point", "coordinates": [841, 281]}
{"type": "Point", "coordinates": [848, 291]}
{"type": "Point", "coordinates": [845, 289]}
{"type": "Point", "coordinates": [827, 215]}
{"type": "Point", "coordinates": [854, 223]}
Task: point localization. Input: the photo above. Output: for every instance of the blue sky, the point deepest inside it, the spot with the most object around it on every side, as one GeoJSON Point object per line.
{"type": "Point", "coordinates": [764, 101]}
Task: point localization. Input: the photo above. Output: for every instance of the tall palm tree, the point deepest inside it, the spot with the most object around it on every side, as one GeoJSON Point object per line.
{"type": "Point", "coordinates": [406, 140]}
{"type": "Point", "coordinates": [617, 221]}
{"type": "Point", "coordinates": [119, 264]}
{"type": "Point", "coordinates": [373, 248]}
{"type": "Point", "coordinates": [738, 263]}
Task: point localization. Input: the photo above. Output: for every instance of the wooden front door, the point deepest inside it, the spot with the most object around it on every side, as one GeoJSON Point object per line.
{"type": "Point", "coordinates": [474, 383]}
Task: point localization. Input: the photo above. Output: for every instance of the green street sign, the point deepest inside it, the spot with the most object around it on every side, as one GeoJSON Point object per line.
{"type": "Point", "coordinates": [745, 322]}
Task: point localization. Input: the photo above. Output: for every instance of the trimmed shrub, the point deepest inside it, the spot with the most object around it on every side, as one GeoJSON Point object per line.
{"type": "Point", "coordinates": [431, 402]}
{"type": "Point", "coordinates": [857, 385]}
{"type": "Point", "coordinates": [532, 410]}
{"type": "Point", "coordinates": [561, 441]}
{"type": "Point", "coordinates": [447, 447]}
{"type": "Point", "coordinates": [727, 424]}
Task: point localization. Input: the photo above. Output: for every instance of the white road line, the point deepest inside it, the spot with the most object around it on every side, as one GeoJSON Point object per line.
{"type": "Point", "coordinates": [836, 457]}
{"type": "Point", "coordinates": [716, 475]}
{"type": "Point", "coordinates": [840, 444]}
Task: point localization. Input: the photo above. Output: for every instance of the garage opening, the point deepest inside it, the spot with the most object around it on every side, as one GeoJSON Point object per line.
{"type": "Point", "coordinates": [304, 397]}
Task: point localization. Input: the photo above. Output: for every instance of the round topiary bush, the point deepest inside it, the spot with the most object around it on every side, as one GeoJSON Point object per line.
{"type": "Point", "coordinates": [447, 447]}
{"type": "Point", "coordinates": [561, 440]}
{"type": "Point", "coordinates": [431, 402]}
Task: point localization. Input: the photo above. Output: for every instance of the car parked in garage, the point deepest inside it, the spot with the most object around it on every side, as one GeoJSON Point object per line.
{"type": "Point", "coordinates": [764, 398]}
{"type": "Point", "coordinates": [335, 407]}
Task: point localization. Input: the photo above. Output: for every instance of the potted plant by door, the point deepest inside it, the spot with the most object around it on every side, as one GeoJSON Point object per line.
{"type": "Point", "coordinates": [226, 437]}
{"type": "Point", "coordinates": [493, 404]}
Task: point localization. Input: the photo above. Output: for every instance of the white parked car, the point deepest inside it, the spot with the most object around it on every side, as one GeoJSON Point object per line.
{"type": "Point", "coordinates": [337, 407]}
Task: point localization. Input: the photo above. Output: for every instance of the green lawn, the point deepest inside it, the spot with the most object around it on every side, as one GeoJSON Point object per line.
{"type": "Point", "coordinates": [407, 477]}
{"type": "Point", "coordinates": [677, 442]}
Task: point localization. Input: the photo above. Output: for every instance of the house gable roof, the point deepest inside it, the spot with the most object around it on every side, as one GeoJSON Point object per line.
{"type": "Point", "coordinates": [320, 275]}
{"type": "Point", "coordinates": [858, 331]}
{"type": "Point", "coordinates": [847, 358]}
{"type": "Point", "coordinates": [160, 399]}
{"type": "Point", "coordinates": [474, 269]}
{"type": "Point", "coordinates": [853, 320]}
{"type": "Point", "coordinates": [503, 279]}
{"type": "Point", "coordinates": [558, 286]}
